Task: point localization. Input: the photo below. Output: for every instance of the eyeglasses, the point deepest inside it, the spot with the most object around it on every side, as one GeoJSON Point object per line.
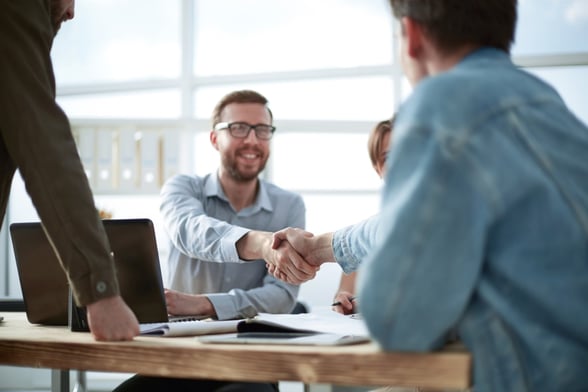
{"type": "Point", "coordinates": [241, 130]}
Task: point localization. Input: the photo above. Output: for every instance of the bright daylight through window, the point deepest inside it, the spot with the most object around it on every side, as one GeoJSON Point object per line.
{"type": "Point", "coordinates": [149, 82]}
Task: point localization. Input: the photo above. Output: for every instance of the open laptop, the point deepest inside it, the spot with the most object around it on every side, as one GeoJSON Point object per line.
{"type": "Point", "coordinates": [45, 289]}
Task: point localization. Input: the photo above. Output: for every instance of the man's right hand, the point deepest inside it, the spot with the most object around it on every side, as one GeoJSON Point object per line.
{"type": "Point", "coordinates": [110, 319]}
{"type": "Point", "coordinates": [315, 250]}
{"type": "Point", "coordinates": [292, 267]}
{"type": "Point", "coordinates": [259, 245]}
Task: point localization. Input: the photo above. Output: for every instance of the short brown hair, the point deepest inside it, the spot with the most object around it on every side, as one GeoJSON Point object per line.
{"type": "Point", "coordinates": [453, 23]}
{"type": "Point", "coordinates": [376, 138]}
{"type": "Point", "coordinates": [240, 96]}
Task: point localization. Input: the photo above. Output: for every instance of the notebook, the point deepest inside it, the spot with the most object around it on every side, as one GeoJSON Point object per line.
{"type": "Point", "coordinates": [318, 328]}
{"type": "Point", "coordinates": [45, 288]}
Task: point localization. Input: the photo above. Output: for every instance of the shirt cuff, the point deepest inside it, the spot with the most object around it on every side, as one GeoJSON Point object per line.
{"type": "Point", "coordinates": [224, 306]}
{"type": "Point", "coordinates": [229, 244]}
{"type": "Point", "coordinates": [94, 287]}
{"type": "Point", "coordinates": [342, 250]}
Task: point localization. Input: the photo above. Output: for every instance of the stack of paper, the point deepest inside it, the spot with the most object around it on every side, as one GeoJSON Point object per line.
{"type": "Point", "coordinates": [331, 323]}
{"type": "Point", "coordinates": [326, 329]}
{"type": "Point", "coordinates": [189, 328]}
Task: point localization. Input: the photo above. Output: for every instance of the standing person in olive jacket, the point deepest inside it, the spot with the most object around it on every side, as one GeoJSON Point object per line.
{"type": "Point", "coordinates": [36, 139]}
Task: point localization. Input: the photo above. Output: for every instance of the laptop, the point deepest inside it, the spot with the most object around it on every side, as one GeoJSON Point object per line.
{"type": "Point", "coordinates": [46, 291]}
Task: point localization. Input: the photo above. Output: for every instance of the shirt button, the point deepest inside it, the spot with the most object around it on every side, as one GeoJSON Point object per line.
{"type": "Point", "coordinates": [101, 287]}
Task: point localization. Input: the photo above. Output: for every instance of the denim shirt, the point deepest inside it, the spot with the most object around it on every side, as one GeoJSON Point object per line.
{"type": "Point", "coordinates": [484, 228]}
{"type": "Point", "coordinates": [203, 229]}
{"type": "Point", "coordinates": [351, 244]}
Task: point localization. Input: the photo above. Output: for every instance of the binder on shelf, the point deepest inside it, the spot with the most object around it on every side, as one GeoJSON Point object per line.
{"type": "Point", "coordinates": [127, 163]}
{"type": "Point", "coordinates": [106, 160]}
{"type": "Point", "coordinates": [86, 145]}
{"type": "Point", "coordinates": [150, 164]}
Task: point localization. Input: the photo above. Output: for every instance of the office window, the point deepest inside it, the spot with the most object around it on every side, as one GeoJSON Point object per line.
{"type": "Point", "coordinates": [367, 98]}
{"type": "Point", "coordinates": [119, 40]}
{"type": "Point", "coordinates": [571, 83]}
{"type": "Point", "coordinates": [242, 37]}
{"type": "Point", "coordinates": [321, 162]}
{"type": "Point", "coordinates": [346, 209]}
{"type": "Point", "coordinates": [551, 42]}
{"type": "Point", "coordinates": [552, 27]}
{"type": "Point", "coordinates": [145, 104]}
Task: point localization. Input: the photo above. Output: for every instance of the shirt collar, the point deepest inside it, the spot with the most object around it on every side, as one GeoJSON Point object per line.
{"type": "Point", "coordinates": [486, 53]}
{"type": "Point", "coordinates": [213, 188]}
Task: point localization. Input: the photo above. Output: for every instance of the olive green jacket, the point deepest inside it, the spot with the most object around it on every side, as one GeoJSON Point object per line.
{"type": "Point", "coordinates": [36, 139]}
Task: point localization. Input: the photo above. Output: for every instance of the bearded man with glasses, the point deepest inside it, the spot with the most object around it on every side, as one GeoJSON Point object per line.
{"type": "Point", "coordinates": [220, 226]}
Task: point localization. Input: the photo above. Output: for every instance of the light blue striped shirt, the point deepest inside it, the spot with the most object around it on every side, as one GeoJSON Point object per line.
{"type": "Point", "coordinates": [203, 229]}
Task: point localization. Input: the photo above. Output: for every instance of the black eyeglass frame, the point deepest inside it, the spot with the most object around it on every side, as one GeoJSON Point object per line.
{"type": "Point", "coordinates": [228, 126]}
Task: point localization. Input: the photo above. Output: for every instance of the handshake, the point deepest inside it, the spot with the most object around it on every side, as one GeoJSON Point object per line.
{"type": "Point", "coordinates": [296, 255]}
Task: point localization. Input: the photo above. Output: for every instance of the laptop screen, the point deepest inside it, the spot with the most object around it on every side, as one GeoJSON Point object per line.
{"type": "Point", "coordinates": [44, 285]}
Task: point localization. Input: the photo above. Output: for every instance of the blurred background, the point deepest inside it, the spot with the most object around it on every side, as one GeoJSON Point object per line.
{"type": "Point", "coordinates": [139, 80]}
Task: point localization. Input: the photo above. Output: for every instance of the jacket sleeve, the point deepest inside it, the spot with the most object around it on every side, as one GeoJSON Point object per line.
{"type": "Point", "coordinates": [352, 243]}
{"type": "Point", "coordinates": [38, 138]}
{"type": "Point", "coordinates": [416, 284]}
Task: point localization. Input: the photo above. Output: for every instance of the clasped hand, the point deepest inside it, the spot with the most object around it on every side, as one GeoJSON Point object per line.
{"type": "Point", "coordinates": [302, 263]}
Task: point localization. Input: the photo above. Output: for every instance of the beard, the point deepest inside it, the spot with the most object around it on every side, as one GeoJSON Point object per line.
{"type": "Point", "coordinates": [239, 175]}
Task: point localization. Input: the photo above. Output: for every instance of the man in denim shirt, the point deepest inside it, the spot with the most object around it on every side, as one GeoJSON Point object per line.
{"type": "Point", "coordinates": [484, 222]}
{"type": "Point", "coordinates": [484, 219]}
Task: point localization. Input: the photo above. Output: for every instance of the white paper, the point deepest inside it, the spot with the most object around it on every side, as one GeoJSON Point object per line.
{"type": "Point", "coordinates": [331, 322]}
{"type": "Point", "coordinates": [189, 328]}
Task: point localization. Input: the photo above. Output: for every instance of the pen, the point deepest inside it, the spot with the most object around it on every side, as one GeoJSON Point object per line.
{"type": "Point", "coordinates": [338, 303]}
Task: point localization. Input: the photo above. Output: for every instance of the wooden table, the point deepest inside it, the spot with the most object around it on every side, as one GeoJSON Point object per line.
{"type": "Point", "coordinates": [23, 344]}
